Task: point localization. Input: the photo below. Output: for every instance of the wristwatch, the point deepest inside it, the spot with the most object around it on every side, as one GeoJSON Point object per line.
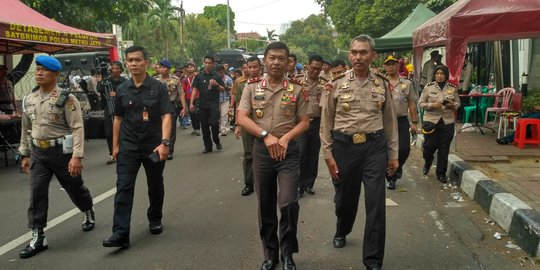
{"type": "Point", "coordinates": [263, 134]}
{"type": "Point", "coordinates": [166, 142]}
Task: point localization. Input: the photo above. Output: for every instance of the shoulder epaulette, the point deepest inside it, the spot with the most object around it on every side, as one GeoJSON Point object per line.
{"type": "Point", "coordinates": [323, 79]}
{"type": "Point", "coordinates": [451, 84]}
{"type": "Point", "coordinates": [241, 80]}
{"type": "Point", "coordinates": [339, 76]}
{"type": "Point", "coordinates": [294, 80]}
{"type": "Point", "coordinates": [255, 80]}
{"type": "Point", "coordinates": [382, 77]}
{"type": "Point", "coordinates": [175, 77]}
{"type": "Point", "coordinates": [431, 83]}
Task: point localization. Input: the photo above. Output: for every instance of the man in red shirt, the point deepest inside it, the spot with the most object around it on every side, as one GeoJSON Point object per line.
{"type": "Point", "coordinates": [186, 85]}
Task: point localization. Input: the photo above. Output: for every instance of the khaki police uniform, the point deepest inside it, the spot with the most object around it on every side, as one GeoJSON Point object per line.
{"type": "Point", "coordinates": [310, 141]}
{"type": "Point", "coordinates": [44, 126]}
{"type": "Point", "coordinates": [402, 94]}
{"type": "Point", "coordinates": [443, 122]}
{"type": "Point", "coordinates": [428, 70]}
{"type": "Point", "coordinates": [359, 131]}
{"type": "Point", "coordinates": [174, 86]}
{"type": "Point", "coordinates": [277, 111]}
{"type": "Point", "coordinates": [247, 138]}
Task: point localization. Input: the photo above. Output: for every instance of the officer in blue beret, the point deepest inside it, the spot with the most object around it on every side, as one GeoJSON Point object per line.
{"type": "Point", "coordinates": [52, 140]}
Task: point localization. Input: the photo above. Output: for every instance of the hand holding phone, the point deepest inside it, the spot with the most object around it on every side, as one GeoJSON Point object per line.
{"type": "Point", "coordinates": [154, 157]}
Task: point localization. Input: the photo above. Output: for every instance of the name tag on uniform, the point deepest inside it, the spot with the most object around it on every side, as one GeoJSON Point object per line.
{"type": "Point", "coordinates": [145, 116]}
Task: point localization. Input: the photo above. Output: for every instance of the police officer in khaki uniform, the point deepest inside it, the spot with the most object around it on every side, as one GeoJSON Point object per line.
{"type": "Point", "coordinates": [426, 76]}
{"type": "Point", "coordinates": [440, 99]}
{"type": "Point", "coordinates": [274, 109]}
{"type": "Point", "coordinates": [49, 115]}
{"type": "Point", "coordinates": [292, 71]}
{"type": "Point", "coordinates": [360, 144]}
{"type": "Point", "coordinates": [253, 71]}
{"type": "Point", "coordinates": [176, 96]}
{"type": "Point", "coordinates": [405, 99]}
{"type": "Point", "coordinates": [310, 142]}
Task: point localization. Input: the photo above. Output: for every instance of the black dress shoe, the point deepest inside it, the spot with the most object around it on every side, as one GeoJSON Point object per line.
{"type": "Point", "coordinates": [207, 150]}
{"type": "Point", "coordinates": [441, 178]}
{"type": "Point", "coordinates": [339, 241]}
{"type": "Point", "coordinates": [248, 189]}
{"type": "Point", "coordinates": [219, 146]}
{"type": "Point", "coordinates": [391, 184]}
{"type": "Point", "coordinates": [310, 190]}
{"type": "Point", "coordinates": [156, 228]}
{"type": "Point", "coordinates": [37, 244]}
{"type": "Point", "coordinates": [269, 264]}
{"type": "Point", "coordinates": [116, 241]}
{"type": "Point", "coordinates": [425, 170]}
{"type": "Point", "coordinates": [89, 220]}
{"type": "Point", "coordinates": [169, 157]}
{"type": "Point", "coordinates": [288, 263]}
{"type": "Point", "coordinates": [501, 141]}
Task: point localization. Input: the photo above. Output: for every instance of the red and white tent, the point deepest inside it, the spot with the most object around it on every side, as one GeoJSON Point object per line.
{"type": "Point", "coordinates": [24, 30]}
{"type": "Point", "coordinates": [475, 21]}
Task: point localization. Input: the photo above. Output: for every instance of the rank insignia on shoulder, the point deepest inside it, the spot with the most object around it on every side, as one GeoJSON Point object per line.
{"type": "Point", "coordinates": [431, 83]}
{"type": "Point", "coordinates": [335, 78]}
{"type": "Point", "coordinates": [452, 85]}
{"type": "Point", "coordinates": [255, 80]}
{"type": "Point", "coordinates": [382, 77]}
{"type": "Point", "coordinates": [323, 80]}
{"type": "Point", "coordinates": [294, 80]}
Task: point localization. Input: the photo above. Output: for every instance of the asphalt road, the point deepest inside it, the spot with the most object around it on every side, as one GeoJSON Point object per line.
{"type": "Point", "coordinates": [209, 225]}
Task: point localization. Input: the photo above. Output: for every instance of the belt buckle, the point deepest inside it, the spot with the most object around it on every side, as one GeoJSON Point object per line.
{"type": "Point", "coordinates": [359, 138]}
{"type": "Point", "coordinates": [44, 143]}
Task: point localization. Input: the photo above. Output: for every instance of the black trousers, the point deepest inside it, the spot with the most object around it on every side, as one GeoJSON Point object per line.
{"type": "Point", "coordinates": [247, 162]}
{"type": "Point", "coordinates": [108, 127]}
{"type": "Point", "coordinates": [268, 175]}
{"type": "Point", "coordinates": [439, 141]}
{"type": "Point", "coordinates": [194, 116]}
{"type": "Point", "coordinates": [363, 163]}
{"type": "Point", "coordinates": [404, 146]}
{"type": "Point", "coordinates": [44, 164]}
{"type": "Point", "coordinates": [174, 118]}
{"type": "Point", "coordinates": [127, 168]}
{"type": "Point", "coordinates": [209, 118]}
{"type": "Point", "coordinates": [310, 146]}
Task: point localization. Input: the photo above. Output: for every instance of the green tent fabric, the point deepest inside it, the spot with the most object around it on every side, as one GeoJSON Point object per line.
{"type": "Point", "coordinates": [400, 38]}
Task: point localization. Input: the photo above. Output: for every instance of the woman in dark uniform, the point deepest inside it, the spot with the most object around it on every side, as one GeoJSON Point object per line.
{"type": "Point", "coordinates": [440, 100]}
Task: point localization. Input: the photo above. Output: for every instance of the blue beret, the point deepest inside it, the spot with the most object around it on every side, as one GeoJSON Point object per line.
{"type": "Point", "coordinates": [299, 66]}
{"type": "Point", "coordinates": [49, 63]}
{"type": "Point", "coordinates": [165, 63]}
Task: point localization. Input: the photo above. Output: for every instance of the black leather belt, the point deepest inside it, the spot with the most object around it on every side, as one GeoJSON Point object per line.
{"type": "Point", "coordinates": [357, 138]}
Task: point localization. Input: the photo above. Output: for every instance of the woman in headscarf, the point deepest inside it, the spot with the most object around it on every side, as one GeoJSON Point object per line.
{"type": "Point", "coordinates": [440, 100]}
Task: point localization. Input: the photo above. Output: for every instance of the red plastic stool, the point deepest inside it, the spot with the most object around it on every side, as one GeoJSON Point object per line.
{"type": "Point", "coordinates": [519, 136]}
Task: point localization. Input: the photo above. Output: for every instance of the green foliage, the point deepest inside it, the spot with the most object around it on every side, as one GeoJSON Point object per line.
{"type": "Point", "coordinates": [372, 17]}
{"type": "Point", "coordinates": [301, 56]}
{"type": "Point", "coordinates": [438, 6]}
{"type": "Point", "coordinates": [533, 99]}
{"type": "Point", "coordinates": [163, 19]}
{"type": "Point", "coordinates": [219, 14]}
{"type": "Point", "coordinates": [314, 35]}
{"type": "Point", "coordinates": [271, 35]}
{"type": "Point", "coordinates": [203, 36]}
{"type": "Point", "coordinates": [91, 15]}
{"type": "Point", "coordinates": [250, 45]}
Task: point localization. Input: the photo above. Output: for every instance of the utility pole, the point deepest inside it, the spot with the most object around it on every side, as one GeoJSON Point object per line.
{"type": "Point", "coordinates": [228, 27]}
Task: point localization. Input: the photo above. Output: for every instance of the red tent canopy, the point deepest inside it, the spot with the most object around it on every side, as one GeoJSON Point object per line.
{"type": "Point", "coordinates": [23, 30]}
{"type": "Point", "coordinates": [475, 21]}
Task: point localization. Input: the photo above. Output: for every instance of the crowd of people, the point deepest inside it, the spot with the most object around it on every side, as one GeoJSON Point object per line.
{"type": "Point", "coordinates": [284, 112]}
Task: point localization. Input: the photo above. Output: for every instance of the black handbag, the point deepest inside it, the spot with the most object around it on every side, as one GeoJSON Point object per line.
{"type": "Point", "coordinates": [428, 128]}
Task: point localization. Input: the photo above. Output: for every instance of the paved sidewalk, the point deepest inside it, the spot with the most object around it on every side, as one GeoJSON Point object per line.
{"type": "Point", "coordinates": [503, 179]}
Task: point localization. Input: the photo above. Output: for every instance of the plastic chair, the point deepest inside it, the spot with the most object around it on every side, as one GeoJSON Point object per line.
{"type": "Point", "coordinates": [520, 136]}
{"type": "Point", "coordinates": [504, 95]}
{"type": "Point", "coordinates": [467, 110]}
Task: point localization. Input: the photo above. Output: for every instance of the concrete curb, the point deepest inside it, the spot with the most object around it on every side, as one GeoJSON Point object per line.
{"type": "Point", "coordinates": [517, 218]}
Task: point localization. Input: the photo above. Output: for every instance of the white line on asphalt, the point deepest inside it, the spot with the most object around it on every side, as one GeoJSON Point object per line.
{"type": "Point", "coordinates": [27, 236]}
{"type": "Point", "coordinates": [438, 222]}
{"type": "Point", "coordinates": [389, 202]}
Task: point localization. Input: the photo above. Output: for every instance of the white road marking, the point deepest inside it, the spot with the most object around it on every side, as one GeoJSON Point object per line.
{"type": "Point", "coordinates": [27, 236]}
{"type": "Point", "coordinates": [439, 223]}
{"type": "Point", "coordinates": [389, 202]}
